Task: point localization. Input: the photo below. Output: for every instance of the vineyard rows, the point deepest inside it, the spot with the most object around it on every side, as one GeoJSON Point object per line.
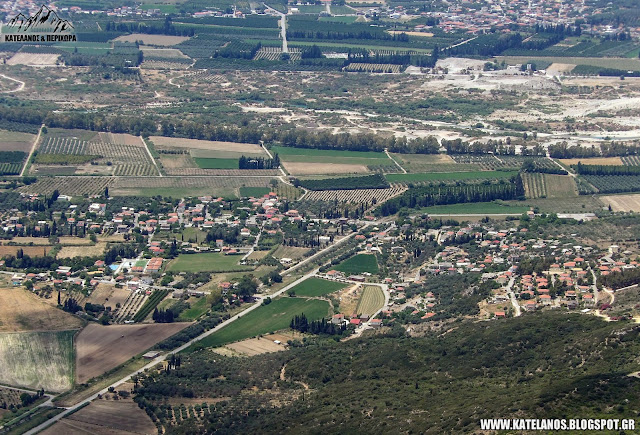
{"type": "Point", "coordinates": [163, 64]}
{"type": "Point", "coordinates": [374, 67]}
{"type": "Point", "coordinates": [63, 145]}
{"type": "Point", "coordinates": [355, 196]}
{"type": "Point", "coordinates": [10, 168]}
{"type": "Point", "coordinates": [631, 160]}
{"type": "Point", "coordinates": [188, 182]}
{"type": "Point", "coordinates": [384, 168]}
{"type": "Point", "coordinates": [614, 183]}
{"type": "Point", "coordinates": [130, 307]}
{"type": "Point", "coordinates": [275, 53]}
{"type": "Point", "coordinates": [534, 185]}
{"type": "Point", "coordinates": [150, 304]}
{"type": "Point", "coordinates": [135, 170]}
{"type": "Point", "coordinates": [68, 185]}
{"type": "Point", "coordinates": [492, 162]}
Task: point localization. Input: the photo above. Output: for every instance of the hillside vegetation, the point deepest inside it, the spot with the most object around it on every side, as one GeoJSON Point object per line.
{"type": "Point", "coordinates": [543, 365]}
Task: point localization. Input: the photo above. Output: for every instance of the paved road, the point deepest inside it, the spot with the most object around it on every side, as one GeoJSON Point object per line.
{"type": "Point", "coordinates": [512, 296]}
{"type": "Point", "coordinates": [283, 27]}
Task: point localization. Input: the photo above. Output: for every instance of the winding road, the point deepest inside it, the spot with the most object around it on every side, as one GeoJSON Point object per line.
{"type": "Point", "coordinates": [20, 86]}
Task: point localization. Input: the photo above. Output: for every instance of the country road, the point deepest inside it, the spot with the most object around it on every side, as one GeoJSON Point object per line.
{"type": "Point", "coordinates": [20, 86]}
{"type": "Point", "coordinates": [33, 148]}
{"type": "Point", "coordinates": [283, 27]}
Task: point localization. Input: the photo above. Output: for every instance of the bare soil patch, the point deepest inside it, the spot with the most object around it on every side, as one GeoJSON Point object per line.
{"type": "Point", "coordinates": [100, 348]}
{"type": "Point", "coordinates": [205, 144]}
{"type": "Point", "coordinates": [349, 298]}
{"type": "Point", "coordinates": [622, 202]}
{"type": "Point", "coordinates": [16, 141]}
{"type": "Point", "coordinates": [266, 344]}
{"type": "Point", "coordinates": [39, 59]}
{"type": "Point", "coordinates": [106, 417]}
{"type": "Point", "coordinates": [31, 251]}
{"type": "Point", "coordinates": [82, 251]}
{"type": "Point", "coordinates": [164, 40]}
{"type": "Point", "coordinates": [108, 295]}
{"type": "Point", "coordinates": [303, 168]}
{"type": "Point", "coordinates": [21, 310]}
{"type": "Point", "coordinates": [74, 241]}
{"type": "Point", "coordinates": [559, 68]}
{"type": "Point", "coordinates": [614, 161]}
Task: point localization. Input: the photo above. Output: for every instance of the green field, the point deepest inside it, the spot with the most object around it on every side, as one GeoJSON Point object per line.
{"type": "Point", "coordinates": [342, 19]}
{"type": "Point", "coordinates": [214, 163]}
{"type": "Point", "coordinates": [254, 191]}
{"type": "Point", "coordinates": [197, 309]}
{"type": "Point", "coordinates": [165, 9]}
{"type": "Point", "coordinates": [358, 264]}
{"type": "Point", "coordinates": [37, 360]}
{"type": "Point", "coordinates": [141, 263]}
{"type": "Point", "coordinates": [441, 176]}
{"type": "Point", "coordinates": [314, 287]}
{"type": "Point", "coordinates": [273, 317]}
{"type": "Point", "coordinates": [207, 262]}
{"type": "Point", "coordinates": [476, 208]}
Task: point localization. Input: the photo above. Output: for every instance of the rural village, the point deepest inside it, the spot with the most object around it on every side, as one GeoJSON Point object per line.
{"type": "Point", "coordinates": [333, 216]}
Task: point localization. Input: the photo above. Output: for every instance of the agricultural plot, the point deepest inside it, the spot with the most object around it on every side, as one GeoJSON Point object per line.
{"type": "Point", "coordinates": [275, 53]}
{"type": "Point", "coordinates": [32, 251]}
{"type": "Point", "coordinates": [374, 196]}
{"type": "Point", "coordinates": [315, 287]}
{"type": "Point", "coordinates": [22, 311]}
{"type": "Point", "coordinates": [163, 40]}
{"type": "Point", "coordinates": [477, 208]}
{"type": "Point", "coordinates": [37, 360]}
{"type": "Point", "coordinates": [292, 252]}
{"type": "Point", "coordinates": [186, 186]}
{"type": "Point", "coordinates": [121, 417]}
{"type": "Point", "coordinates": [359, 264]}
{"type": "Point", "coordinates": [207, 262]}
{"type": "Point", "coordinates": [417, 178]}
{"type": "Point", "coordinates": [215, 163]}
{"type": "Point", "coordinates": [374, 68]}
{"type": "Point", "coordinates": [304, 161]}
{"type": "Point", "coordinates": [268, 318]}
{"type": "Point", "coordinates": [130, 158]}
{"type": "Point", "coordinates": [371, 300]}
{"type": "Point", "coordinates": [100, 348]}
{"type": "Point", "coordinates": [16, 141]}
{"type": "Point", "coordinates": [560, 186]}
{"type": "Point", "coordinates": [609, 161]}
{"type": "Point", "coordinates": [11, 162]}
{"type": "Point", "coordinates": [624, 203]}
{"type": "Point", "coordinates": [432, 163]}
{"type": "Point", "coordinates": [629, 161]}
{"type": "Point", "coordinates": [196, 144]}
{"type": "Point", "coordinates": [34, 59]}
{"type": "Point", "coordinates": [68, 186]}
{"type": "Point", "coordinates": [534, 185]}
{"type": "Point", "coordinates": [614, 183]}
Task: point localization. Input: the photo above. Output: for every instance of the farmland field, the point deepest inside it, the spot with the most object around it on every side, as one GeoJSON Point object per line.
{"type": "Point", "coordinates": [618, 63]}
{"type": "Point", "coordinates": [273, 317]}
{"type": "Point", "coordinates": [432, 163]}
{"type": "Point", "coordinates": [560, 186]}
{"type": "Point", "coordinates": [193, 144]}
{"type": "Point", "coordinates": [374, 67]}
{"type": "Point", "coordinates": [32, 251]}
{"type": "Point", "coordinates": [164, 40]}
{"type": "Point", "coordinates": [475, 208]}
{"type": "Point", "coordinates": [113, 417]}
{"type": "Point", "coordinates": [355, 196]}
{"type": "Point", "coordinates": [82, 250]}
{"type": "Point", "coordinates": [255, 192]}
{"type": "Point", "coordinates": [289, 154]}
{"type": "Point", "coordinates": [37, 360]}
{"type": "Point", "coordinates": [306, 168]}
{"type": "Point", "coordinates": [100, 348]}
{"type": "Point", "coordinates": [16, 141]}
{"type": "Point", "coordinates": [21, 311]}
{"type": "Point", "coordinates": [442, 176]}
{"type": "Point", "coordinates": [624, 203]}
{"type": "Point", "coordinates": [314, 287]}
{"type": "Point", "coordinates": [358, 264]}
{"type": "Point", "coordinates": [615, 161]}
{"type": "Point", "coordinates": [208, 262]}
{"type": "Point", "coordinates": [289, 252]}
{"type": "Point", "coordinates": [371, 300]}
{"type": "Point", "coordinates": [215, 163]}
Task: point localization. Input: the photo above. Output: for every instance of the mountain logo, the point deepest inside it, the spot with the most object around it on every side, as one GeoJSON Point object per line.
{"type": "Point", "coordinates": [43, 26]}
{"type": "Point", "coordinates": [45, 20]}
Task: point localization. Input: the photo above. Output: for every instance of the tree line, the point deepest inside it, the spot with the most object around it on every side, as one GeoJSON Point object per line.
{"type": "Point", "coordinates": [606, 169]}
{"type": "Point", "coordinates": [258, 162]}
{"type": "Point", "coordinates": [302, 324]}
